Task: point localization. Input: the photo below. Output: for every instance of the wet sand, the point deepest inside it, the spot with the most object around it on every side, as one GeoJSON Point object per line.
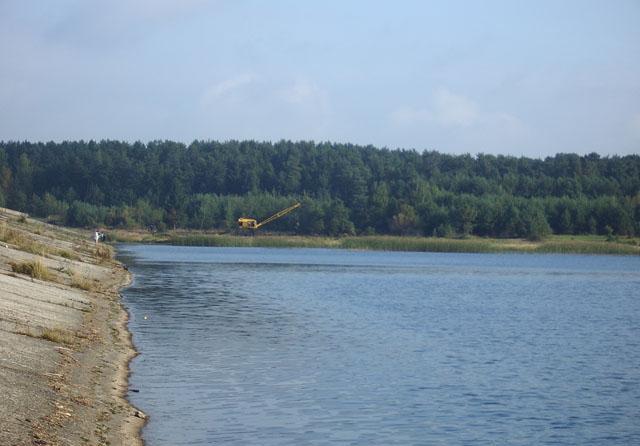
{"type": "Point", "coordinates": [64, 343]}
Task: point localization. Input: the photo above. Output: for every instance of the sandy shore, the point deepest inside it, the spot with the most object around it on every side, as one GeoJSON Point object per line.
{"type": "Point", "coordinates": [64, 344]}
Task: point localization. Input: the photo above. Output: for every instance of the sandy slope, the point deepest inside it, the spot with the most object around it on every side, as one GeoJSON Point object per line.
{"type": "Point", "coordinates": [64, 351]}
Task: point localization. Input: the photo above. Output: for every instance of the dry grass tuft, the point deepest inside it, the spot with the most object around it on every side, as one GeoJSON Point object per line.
{"type": "Point", "coordinates": [78, 281]}
{"type": "Point", "coordinates": [104, 252]}
{"type": "Point", "coordinates": [35, 269]}
{"type": "Point", "coordinates": [21, 240]}
{"type": "Point", "coordinates": [67, 254]}
{"type": "Point", "coordinates": [58, 335]}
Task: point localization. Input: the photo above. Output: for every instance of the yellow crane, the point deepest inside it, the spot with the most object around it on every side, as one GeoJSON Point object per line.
{"type": "Point", "coordinates": [252, 223]}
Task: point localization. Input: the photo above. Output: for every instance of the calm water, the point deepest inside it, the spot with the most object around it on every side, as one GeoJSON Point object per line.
{"type": "Point", "coordinates": [244, 346]}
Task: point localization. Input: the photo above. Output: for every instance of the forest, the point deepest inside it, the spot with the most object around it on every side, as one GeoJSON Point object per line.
{"type": "Point", "coordinates": [344, 189]}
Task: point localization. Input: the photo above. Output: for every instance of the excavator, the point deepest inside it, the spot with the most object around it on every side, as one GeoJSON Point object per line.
{"type": "Point", "coordinates": [252, 223]}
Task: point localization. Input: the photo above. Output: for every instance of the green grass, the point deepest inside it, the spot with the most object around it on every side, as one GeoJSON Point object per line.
{"type": "Point", "coordinates": [422, 244]}
{"type": "Point", "coordinates": [257, 241]}
{"type": "Point", "coordinates": [587, 247]}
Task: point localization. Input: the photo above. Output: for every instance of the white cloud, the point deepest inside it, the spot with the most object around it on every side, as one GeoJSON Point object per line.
{"type": "Point", "coordinates": [450, 110]}
{"type": "Point", "coordinates": [453, 110]}
{"type": "Point", "coordinates": [446, 110]}
{"type": "Point", "coordinates": [265, 107]}
{"type": "Point", "coordinates": [306, 94]}
{"type": "Point", "coordinates": [456, 122]}
{"type": "Point", "coordinates": [225, 87]}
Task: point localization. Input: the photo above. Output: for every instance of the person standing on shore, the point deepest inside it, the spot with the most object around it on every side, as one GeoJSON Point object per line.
{"type": "Point", "coordinates": [96, 236]}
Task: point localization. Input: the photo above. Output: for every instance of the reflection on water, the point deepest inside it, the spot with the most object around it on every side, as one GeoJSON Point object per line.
{"type": "Point", "coordinates": [296, 346]}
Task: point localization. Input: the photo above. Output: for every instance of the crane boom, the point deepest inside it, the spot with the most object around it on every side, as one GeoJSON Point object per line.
{"type": "Point", "coordinates": [279, 214]}
{"type": "Point", "coordinates": [251, 223]}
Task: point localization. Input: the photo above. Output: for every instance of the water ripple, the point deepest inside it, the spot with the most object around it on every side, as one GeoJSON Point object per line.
{"type": "Point", "coordinates": [337, 347]}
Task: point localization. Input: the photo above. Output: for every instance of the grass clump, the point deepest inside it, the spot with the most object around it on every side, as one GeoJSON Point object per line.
{"type": "Point", "coordinates": [35, 269]}
{"type": "Point", "coordinates": [58, 336]}
{"type": "Point", "coordinates": [67, 254]}
{"type": "Point", "coordinates": [103, 252]}
{"type": "Point", "coordinates": [83, 283]}
{"type": "Point", "coordinates": [21, 241]}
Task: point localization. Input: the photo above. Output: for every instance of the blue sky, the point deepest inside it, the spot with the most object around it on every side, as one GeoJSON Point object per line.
{"type": "Point", "coordinates": [512, 77]}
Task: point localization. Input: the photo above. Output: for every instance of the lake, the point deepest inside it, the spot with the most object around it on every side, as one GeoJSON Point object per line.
{"type": "Point", "coordinates": [251, 346]}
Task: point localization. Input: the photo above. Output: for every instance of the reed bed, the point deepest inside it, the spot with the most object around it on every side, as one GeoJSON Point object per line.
{"type": "Point", "coordinates": [587, 247]}
{"type": "Point", "coordinates": [420, 244]}
{"type": "Point", "coordinates": [210, 240]}
{"type": "Point", "coordinates": [552, 244]}
{"type": "Point", "coordinates": [416, 244]}
{"type": "Point", "coordinates": [296, 242]}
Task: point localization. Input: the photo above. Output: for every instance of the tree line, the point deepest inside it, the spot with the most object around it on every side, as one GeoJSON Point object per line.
{"type": "Point", "coordinates": [344, 188]}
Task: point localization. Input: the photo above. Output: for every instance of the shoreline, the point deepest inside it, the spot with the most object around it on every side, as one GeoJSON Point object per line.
{"type": "Point", "coordinates": [133, 430]}
{"type": "Point", "coordinates": [65, 347]}
{"type": "Point", "coordinates": [555, 244]}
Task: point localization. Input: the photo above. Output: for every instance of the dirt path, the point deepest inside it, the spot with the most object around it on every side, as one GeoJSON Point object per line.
{"type": "Point", "coordinates": [64, 345]}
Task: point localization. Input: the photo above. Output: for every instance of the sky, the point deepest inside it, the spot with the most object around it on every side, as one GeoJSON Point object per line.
{"type": "Point", "coordinates": [524, 78]}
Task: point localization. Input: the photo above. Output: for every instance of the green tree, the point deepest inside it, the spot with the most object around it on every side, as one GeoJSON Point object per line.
{"type": "Point", "coordinates": [405, 221]}
{"type": "Point", "coordinates": [337, 219]}
{"type": "Point", "coordinates": [536, 225]}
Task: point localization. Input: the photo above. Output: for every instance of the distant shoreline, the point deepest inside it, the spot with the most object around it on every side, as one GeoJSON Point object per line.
{"type": "Point", "coordinates": [552, 244]}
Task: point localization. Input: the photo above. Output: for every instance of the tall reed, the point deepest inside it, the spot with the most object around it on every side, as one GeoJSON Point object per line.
{"type": "Point", "coordinates": [584, 245]}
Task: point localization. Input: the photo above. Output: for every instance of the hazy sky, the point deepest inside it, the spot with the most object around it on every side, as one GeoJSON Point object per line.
{"type": "Point", "coordinates": [524, 78]}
